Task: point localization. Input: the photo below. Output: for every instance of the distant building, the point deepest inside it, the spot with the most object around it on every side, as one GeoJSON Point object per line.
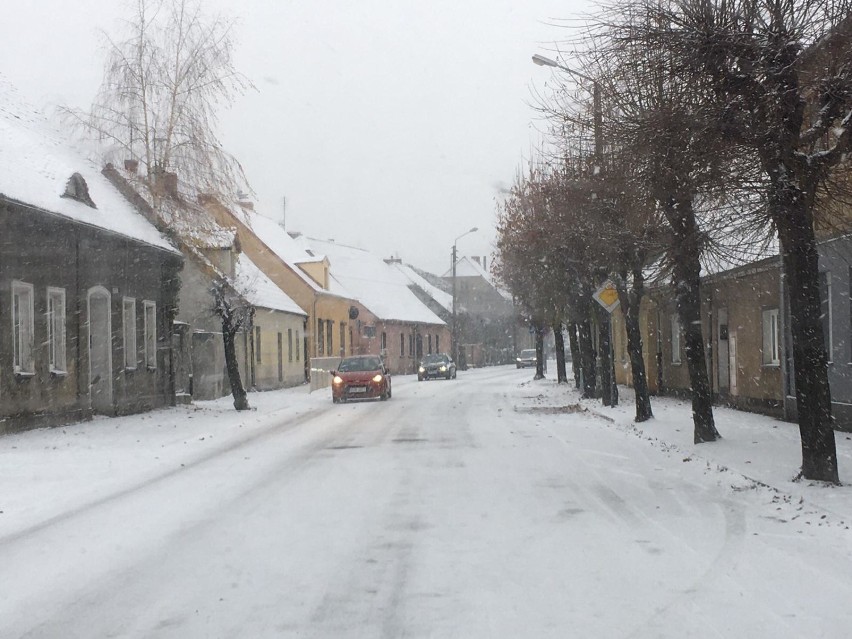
{"type": "Point", "coordinates": [489, 328]}
{"type": "Point", "coordinates": [391, 320]}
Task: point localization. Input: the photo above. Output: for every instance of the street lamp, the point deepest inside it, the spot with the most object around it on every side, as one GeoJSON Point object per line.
{"type": "Point", "coordinates": [455, 345]}
{"type": "Point", "coordinates": [542, 61]}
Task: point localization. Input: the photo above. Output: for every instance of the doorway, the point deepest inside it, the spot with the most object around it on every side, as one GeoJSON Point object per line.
{"type": "Point", "coordinates": [724, 379]}
{"type": "Point", "coordinates": [100, 350]}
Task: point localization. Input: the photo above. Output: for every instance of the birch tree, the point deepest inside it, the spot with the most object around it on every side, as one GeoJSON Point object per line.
{"type": "Point", "coordinates": [163, 85]}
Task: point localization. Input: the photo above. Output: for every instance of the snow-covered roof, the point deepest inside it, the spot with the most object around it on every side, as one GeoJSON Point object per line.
{"type": "Point", "coordinates": [37, 162]}
{"type": "Point", "coordinates": [441, 297]}
{"type": "Point", "coordinates": [259, 290]}
{"type": "Point", "coordinates": [278, 241]}
{"type": "Point", "coordinates": [190, 221]}
{"type": "Point", "coordinates": [379, 286]}
{"type": "Point", "coordinates": [466, 267]}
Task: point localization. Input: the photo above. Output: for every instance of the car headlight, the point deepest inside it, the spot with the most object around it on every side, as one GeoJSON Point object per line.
{"type": "Point", "coordinates": [519, 359]}
{"type": "Point", "coordinates": [443, 369]}
{"type": "Point", "coordinates": [377, 378]}
{"type": "Point", "coordinates": [337, 379]}
{"type": "Point", "coordinates": [421, 369]}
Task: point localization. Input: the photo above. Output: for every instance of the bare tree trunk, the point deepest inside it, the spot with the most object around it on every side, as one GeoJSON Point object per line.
{"type": "Point", "coordinates": [587, 357]}
{"type": "Point", "coordinates": [561, 374]}
{"type": "Point", "coordinates": [810, 360]}
{"type": "Point", "coordinates": [237, 390]}
{"type": "Point", "coordinates": [539, 350]}
{"type": "Point", "coordinates": [686, 279]}
{"type": "Point", "coordinates": [227, 306]}
{"type": "Point", "coordinates": [605, 355]}
{"type": "Point", "coordinates": [575, 352]}
{"type": "Point", "coordinates": [631, 301]}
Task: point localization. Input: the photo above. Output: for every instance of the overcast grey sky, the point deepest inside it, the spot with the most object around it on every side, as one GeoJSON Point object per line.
{"type": "Point", "coordinates": [387, 124]}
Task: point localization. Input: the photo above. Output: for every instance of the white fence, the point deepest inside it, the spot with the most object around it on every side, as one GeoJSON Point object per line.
{"type": "Point", "coordinates": [321, 368]}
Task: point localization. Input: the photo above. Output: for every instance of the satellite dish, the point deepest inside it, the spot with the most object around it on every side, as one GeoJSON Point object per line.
{"type": "Point", "coordinates": [353, 313]}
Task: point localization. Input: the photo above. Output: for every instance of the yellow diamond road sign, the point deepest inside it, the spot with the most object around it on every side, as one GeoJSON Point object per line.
{"type": "Point", "coordinates": [607, 296]}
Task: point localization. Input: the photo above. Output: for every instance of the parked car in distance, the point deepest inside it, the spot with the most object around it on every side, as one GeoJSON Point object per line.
{"type": "Point", "coordinates": [526, 358]}
{"type": "Point", "coordinates": [360, 377]}
{"type": "Point", "coordinates": [436, 365]}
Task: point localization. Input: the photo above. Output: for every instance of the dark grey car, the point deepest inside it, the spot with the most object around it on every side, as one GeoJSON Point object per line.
{"type": "Point", "coordinates": [438, 365]}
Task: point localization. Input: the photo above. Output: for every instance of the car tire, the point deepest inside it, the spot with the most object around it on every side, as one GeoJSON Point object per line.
{"type": "Point", "coordinates": [419, 379]}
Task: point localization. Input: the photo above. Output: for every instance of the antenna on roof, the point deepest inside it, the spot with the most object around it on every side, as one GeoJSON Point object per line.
{"type": "Point", "coordinates": [284, 212]}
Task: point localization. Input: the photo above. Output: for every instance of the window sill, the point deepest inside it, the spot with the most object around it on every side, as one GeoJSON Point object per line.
{"type": "Point", "coordinates": [771, 365]}
{"type": "Point", "coordinates": [129, 369]}
{"type": "Point", "coordinates": [151, 369]}
{"type": "Point", "coordinates": [24, 374]}
{"type": "Point", "coordinates": [55, 372]}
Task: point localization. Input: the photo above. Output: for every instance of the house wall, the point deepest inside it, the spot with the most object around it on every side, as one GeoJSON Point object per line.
{"type": "Point", "coordinates": [44, 250]}
{"type": "Point", "coordinates": [278, 359]}
{"type": "Point", "coordinates": [835, 262]}
{"type": "Point", "coordinates": [317, 305]}
{"type": "Point", "coordinates": [402, 340]}
{"type": "Point", "coordinates": [744, 295]}
{"type": "Point", "coordinates": [334, 311]}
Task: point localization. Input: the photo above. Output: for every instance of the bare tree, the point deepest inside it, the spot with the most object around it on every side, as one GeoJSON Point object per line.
{"type": "Point", "coordinates": [157, 105]}
{"type": "Point", "coordinates": [236, 316]}
{"type": "Point", "coordinates": [782, 70]}
{"type": "Point", "coordinates": [163, 84]}
{"type": "Point", "coordinates": [659, 120]}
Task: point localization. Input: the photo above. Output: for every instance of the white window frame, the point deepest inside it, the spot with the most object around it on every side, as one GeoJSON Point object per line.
{"type": "Point", "coordinates": [150, 328]}
{"type": "Point", "coordinates": [55, 317]}
{"type": "Point", "coordinates": [771, 339]}
{"type": "Point", "coordinates": [23, 329]}
{"type": "Point", "coordinates": [128, 333]}
{"type": "Point", "coordinates": [675, 341]}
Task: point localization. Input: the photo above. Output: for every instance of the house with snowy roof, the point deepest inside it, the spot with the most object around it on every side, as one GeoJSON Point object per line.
{"type": "Point", "coordinates": [88, 286]}
{"type": "Point", "coordinates": [269, 348]}
{"type": "Point", "coordinates": [489, 328]}
{"type": "Point", "coordinates": [303, 274]}
{"type": "Point", "coordinates": [741, 315]}
{"type": "Point", "coordinates": [391, 320]}
{"type": "Point", "coordinates": [748, 346]}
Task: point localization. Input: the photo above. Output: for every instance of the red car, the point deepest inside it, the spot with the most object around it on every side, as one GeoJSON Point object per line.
{"type": "Point", "coordinates": [361, 377]}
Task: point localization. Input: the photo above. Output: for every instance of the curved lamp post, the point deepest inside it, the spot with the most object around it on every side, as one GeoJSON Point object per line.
{"type": "Point", "coordinates": [455, 345]}
{"type": "Point", "coordinates": [542, 61]}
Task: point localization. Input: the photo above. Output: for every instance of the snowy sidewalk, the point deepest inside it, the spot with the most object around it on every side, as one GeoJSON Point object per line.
{"type": "Point", "coordinates": [755, 449]}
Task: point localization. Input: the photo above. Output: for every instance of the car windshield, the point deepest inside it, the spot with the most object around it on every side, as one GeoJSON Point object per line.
{"type": "Point", "coordinates": [530, 352]}
{"type": "Point", "coordinates": [435, 359]}
{"type": "Point", "coordinates": [357, 364]}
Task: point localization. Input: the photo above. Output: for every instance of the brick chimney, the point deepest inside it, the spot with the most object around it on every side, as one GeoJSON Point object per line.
{"type": "Point", "coordinates": [166, 182]}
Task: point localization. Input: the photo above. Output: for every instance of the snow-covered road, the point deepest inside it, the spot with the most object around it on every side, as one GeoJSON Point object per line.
{"type": "Point", "coordinates": [488, 506]}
